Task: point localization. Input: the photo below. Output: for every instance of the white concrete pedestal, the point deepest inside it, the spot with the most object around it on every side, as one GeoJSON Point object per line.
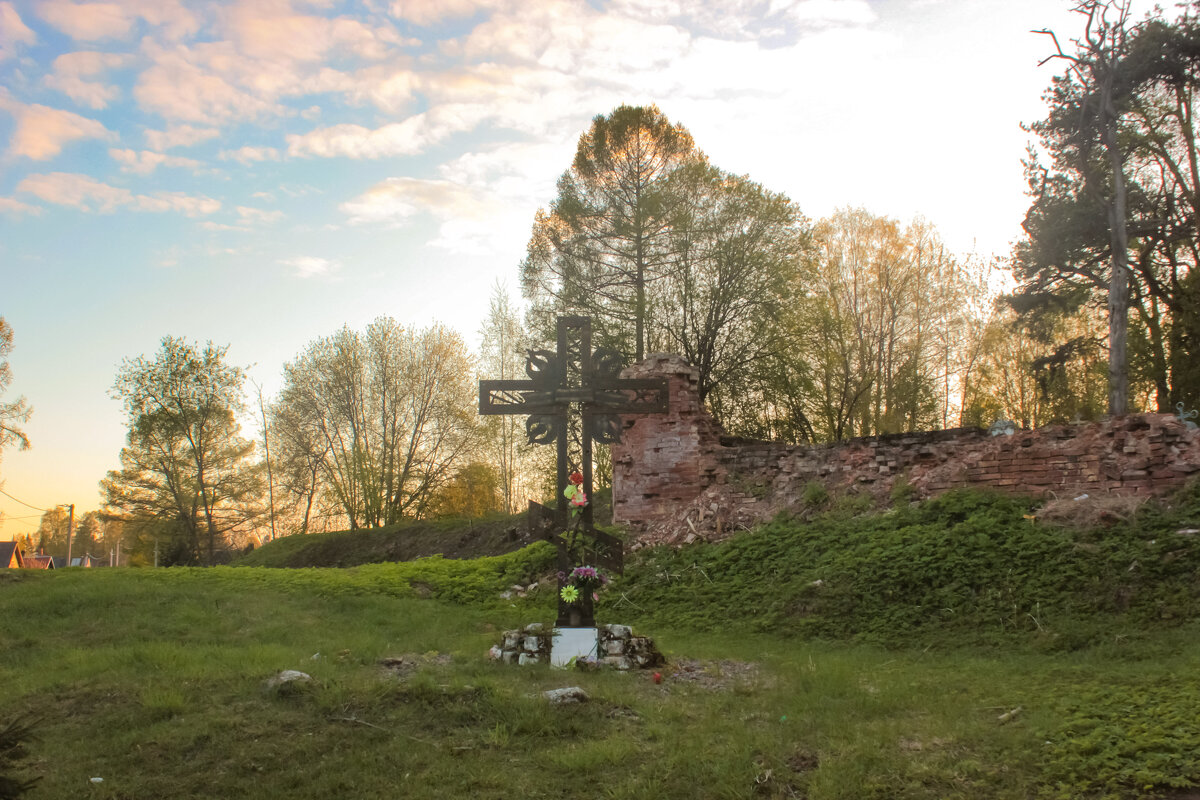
{"type": "Point", "coordinates": [572, 643]}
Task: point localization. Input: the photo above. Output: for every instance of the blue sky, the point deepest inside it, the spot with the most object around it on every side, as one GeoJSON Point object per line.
{"type": "Point", "coordinates": [260, 173]}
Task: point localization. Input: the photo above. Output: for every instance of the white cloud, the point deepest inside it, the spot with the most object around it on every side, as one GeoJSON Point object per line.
{"type": "Point", "coordinates": [569, 36]}
{"type": "Point", "coordinates": [190, 205]}
{"type": "Point", "coordinates": [248, 155]}
{"type": "Point", "coordinates": [469, 219]}
{"type": "Point", "coordinates": [414, 135]}
{"type": "Point", "coordinates": [13, 31]}
{"type": "Point", "coordinates": [183, 85]}
{"type": "Point", "coordinates": [273, 33]}
{"type": "Point", "coordinates": [209, 225]}
{"type": "Point", "coordinates": [396, 199]}
{"type": "Point", "coordinates": [71, 71]}
{"type": "Point", "coordinates": [10, 205]}
{"type": "Point", "coordinates": [389, 87]}
{"type": "Point", "coordinates": [768, 20]}
{"type": "Point", "coordinates": [179, 136]}
{"type": "Point", "coordinates": [251, 216]}
{"type": "Point", "coordinates": [429, 12]}
{"type": "Point", "coordinates": [311, 266]}
{"type": "Point", "coordinates": [88, 194]}
{"type": "Point", "coordinates": [91, 22]}
{"type": "Point", "coordinates": [146, 161]}
{"type": "Point", "coordinates": [77, 191]}
{"type": "Point", "coordinates": [42, 132]}
{"type": "Point", "coordinates": [87, 21]}
{"type": "Point", "coordinates": [263, 53]}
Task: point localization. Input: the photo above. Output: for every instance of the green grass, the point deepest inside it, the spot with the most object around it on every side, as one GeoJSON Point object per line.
{"type": "Point", "coordinates": [154, 680]}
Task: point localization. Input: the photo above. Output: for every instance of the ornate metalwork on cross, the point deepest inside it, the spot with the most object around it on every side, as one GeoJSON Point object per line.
{"type": "Point", "coordinates": [589, 381]}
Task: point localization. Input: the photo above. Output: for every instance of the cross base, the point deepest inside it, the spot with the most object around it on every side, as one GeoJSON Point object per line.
{"type": "Point", "coordinates": [580, 614]}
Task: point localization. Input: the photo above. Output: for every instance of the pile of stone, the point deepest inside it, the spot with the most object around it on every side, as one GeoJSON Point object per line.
{"type": "Point", "coordinates": [528, 645]}
{"type": "Point", "coordinates": [617, 648]}
{"type": "Point", "coordinates": [620, 649]}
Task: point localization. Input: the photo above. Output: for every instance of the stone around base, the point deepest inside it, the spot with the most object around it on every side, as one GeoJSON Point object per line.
{"type": "Point", "coordinates": [612, 646]}
{"type": "Point", "coordinates": [573, 643]}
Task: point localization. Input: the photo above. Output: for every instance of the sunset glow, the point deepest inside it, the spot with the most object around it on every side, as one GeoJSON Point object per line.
{"type": "Point", "coordinates": [260, 174]}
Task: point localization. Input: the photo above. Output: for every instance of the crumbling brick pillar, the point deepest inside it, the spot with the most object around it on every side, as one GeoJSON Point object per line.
{"type": "Point", "coordinates": [664, 461]}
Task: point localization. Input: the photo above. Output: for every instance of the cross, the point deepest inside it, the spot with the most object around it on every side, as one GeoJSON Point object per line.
{"type": "Point", "coordinates": [574, 376]}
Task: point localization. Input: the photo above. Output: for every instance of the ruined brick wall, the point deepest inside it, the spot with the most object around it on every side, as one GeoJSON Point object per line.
{"type": "Point", "coordinates": [665, 461]}
{"type": "Point", "coordinates": [678, 477]}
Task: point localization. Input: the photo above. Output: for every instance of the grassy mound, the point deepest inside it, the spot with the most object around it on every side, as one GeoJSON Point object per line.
{"type": "Point", "coordinates": [964, 566]}
{"type": "Point", "coordinates": [456, 538]}
{"type": "Point", "coordinates": [451, 538]}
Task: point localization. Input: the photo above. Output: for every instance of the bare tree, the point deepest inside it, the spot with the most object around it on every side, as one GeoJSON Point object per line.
{"type": "Point", "coordinates": [502, 357]}
{"type": "Point", "coordinates": [381, 416]}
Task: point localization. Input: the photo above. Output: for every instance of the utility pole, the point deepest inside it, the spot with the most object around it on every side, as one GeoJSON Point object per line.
{"type": "Point", "coordinates": [70, 527]}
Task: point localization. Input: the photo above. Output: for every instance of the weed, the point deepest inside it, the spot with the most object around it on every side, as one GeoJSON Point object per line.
{"type": "Point", "coordinates": [814, 495]}
{"type": "Point", "coordinates": [14, 736]}
{"type": "Point", "coordinates": [902, 490]}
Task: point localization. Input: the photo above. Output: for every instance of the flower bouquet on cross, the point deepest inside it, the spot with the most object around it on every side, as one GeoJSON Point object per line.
{"type": "Point", "coordinates": [581, 583]}
{"type": "Point", "coordinates": [574, 538]}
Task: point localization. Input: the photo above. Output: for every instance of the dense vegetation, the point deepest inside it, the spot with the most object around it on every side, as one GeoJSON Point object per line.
{"type": "Point", "coordinates": [966, 566]}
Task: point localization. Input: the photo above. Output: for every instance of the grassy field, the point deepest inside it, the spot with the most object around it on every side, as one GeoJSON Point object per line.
{"type": "Point", "coordinates": [155, 682]}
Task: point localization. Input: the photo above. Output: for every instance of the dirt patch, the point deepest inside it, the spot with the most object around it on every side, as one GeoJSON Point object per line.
{"type": "Point", "coordinates": [403, 666]}
{"type": "Point", "coordinates": [1090, 510]}
{"type": "Point", "coordinates": [713, 675]}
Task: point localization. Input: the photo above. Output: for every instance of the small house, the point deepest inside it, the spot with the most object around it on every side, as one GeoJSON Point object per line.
{"type": "Point", "coordinates": [39, 561]}
{"type": "Point", "coordinates": [10, 556]}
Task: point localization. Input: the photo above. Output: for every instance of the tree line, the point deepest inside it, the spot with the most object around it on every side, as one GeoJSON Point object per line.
{"type": "Point", "coordinates": [802, 330]}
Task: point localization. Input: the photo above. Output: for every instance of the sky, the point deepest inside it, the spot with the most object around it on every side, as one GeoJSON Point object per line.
{"type": "Point", "coordinates": [259, 173]}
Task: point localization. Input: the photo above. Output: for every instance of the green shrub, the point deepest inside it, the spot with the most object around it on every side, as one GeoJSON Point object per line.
{"type": "Point", "coordinates": [814, 495]}
{"type": "Point", "coordinates": [902, 490]}
{"type": "Point", "coordinates": [967, 566]}
{"type": "Point", "coordinates": [1124, 741]}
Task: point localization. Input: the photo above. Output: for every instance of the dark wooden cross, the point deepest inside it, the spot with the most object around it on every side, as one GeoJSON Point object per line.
{"type": "Point", "coordinates": [574, 376]}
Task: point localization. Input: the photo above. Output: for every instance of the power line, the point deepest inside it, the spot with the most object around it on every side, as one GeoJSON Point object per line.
{"type": "Point", "coordinates": [22, 502]}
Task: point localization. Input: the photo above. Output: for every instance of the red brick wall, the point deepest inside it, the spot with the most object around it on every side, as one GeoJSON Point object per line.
{"type": "Point", "coordinates": [677, 477]}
